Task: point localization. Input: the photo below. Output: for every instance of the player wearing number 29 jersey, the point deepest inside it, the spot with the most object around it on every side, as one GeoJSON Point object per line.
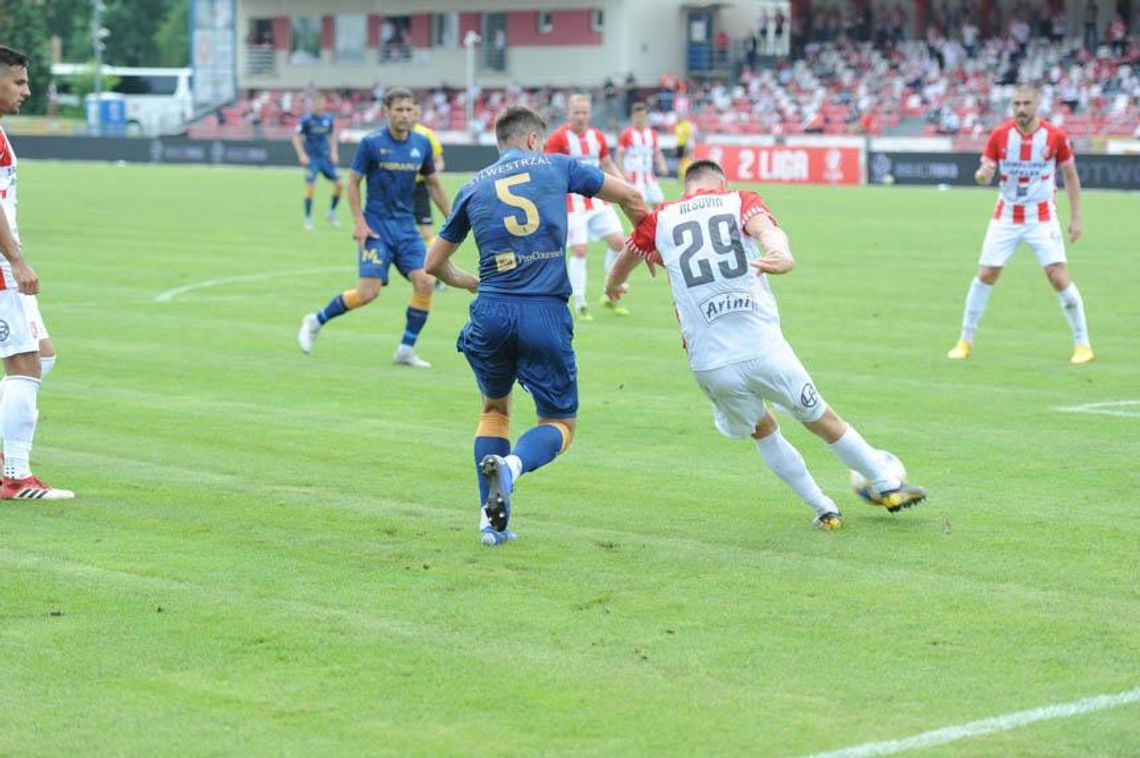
{"type": "Point", "coordinates": [520, 329]}
{"type": "Point", "coordinates": [710, 243]}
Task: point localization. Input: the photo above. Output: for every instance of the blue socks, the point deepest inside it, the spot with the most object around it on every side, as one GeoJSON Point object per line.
{"type": "Point", "coordinates": [485, 446]}
{"type": "Point", "coordinates": [308, 207]}
{"type": "Point", "coordinates": [416, 320]}
{"type": "Point", "coordinates": [336, 307]}
{"type": "Point", "coordinates": [538, 446]}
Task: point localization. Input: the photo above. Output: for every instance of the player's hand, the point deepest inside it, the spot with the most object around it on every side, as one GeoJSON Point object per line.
{"type": "Point", "coordinates": [26, 280]}
{"type": "Point", "coordinates": [1074, 229]}
{"type": "Point", "coordinates": [362, 232]}
{"type": "Point", "coordinates": [305, 161]}
{"type": "Point", "coordinates": [614, 292]}
{"type": "Point", "coordinates": [984, 175]}
{"type": "Point", "coordinates": [773, 263]}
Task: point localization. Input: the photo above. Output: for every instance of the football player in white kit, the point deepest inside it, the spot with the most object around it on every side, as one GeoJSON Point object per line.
{"type": "Point", "coordinates": [588, 218]}
{"type": "Point", "coordinates": [706, 240]}
{"type": "Point", "coordinates": [21, 327]}
{"type": "Point", "coordinates": [1026, 152]}
{"type": "Point", "coordinates": [639, 155]}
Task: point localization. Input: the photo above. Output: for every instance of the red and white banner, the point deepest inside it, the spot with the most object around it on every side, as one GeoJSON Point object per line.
{"type": "Point", "coordinates": [787, 164]}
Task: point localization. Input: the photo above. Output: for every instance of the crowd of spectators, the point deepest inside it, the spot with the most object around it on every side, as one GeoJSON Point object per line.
{"type": "Point", "coordinates": [848, 76]}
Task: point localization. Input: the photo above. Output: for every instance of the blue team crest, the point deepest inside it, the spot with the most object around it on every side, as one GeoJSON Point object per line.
{"type": "Point", "coordinates": [415, 152]}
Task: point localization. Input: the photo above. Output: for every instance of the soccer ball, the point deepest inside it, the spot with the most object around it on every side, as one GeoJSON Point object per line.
{"type": "Point", "coordinates": [862, 487]}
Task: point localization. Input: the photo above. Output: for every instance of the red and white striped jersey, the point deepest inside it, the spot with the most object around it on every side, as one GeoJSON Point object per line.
{"type": "Point", "coordinates": [8, 183]}
{"type": "Point", "coordinates": [589, 147]}
{"type": "Point", "coordinates": [638, 146]}
{"type": "Point", "coordinates": [1027, 170]}
{"type": "Point", "coordinates": [725, 307]}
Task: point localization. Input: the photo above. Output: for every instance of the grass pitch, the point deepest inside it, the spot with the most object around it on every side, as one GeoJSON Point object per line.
{"type": "Point", "coordinates": [275, 554]}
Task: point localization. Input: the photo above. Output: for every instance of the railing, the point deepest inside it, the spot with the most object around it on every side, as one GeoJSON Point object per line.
{"type": "Point", "coordinates": [260, 59]}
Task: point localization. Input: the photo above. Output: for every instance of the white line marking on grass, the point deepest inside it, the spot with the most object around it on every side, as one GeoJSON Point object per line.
{"type": "Point", "coordinates": [986, 726]}
{"type": "Point", "coordinates": [1105, 409]}
{"type": "Point", "coordinates": [169, 295]}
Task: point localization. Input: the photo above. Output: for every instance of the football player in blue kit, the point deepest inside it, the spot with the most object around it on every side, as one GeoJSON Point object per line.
{"type": "Point", "coordinates": [316, 145]}
{"type": "Point", "coordinates": [520, 327]}
{"type": "Point", "coordinates": [385, 229]}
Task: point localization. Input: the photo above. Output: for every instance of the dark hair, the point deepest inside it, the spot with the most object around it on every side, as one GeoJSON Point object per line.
{"type": "Point", "coordinates": [10, 57]}
{"type": "Point", "coordinates": [702, 168]}
{"type": "Point", "coordinates": [639, 108]}
{"type": "Point", "coordinates": [517, 121]}
{"type": "Point", "coordinates": [398, 93]}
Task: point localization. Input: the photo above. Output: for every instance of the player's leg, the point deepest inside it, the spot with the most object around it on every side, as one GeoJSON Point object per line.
{"type": "Point", "coordinates": [605, 225]}
{"type": "Point", "coordinates": [409, 259]}
{"type": "Point", "coordinates": [18, 404]}
{"type": "Point", "coordinates": [488, 344]}
{"type": "Point", "coordinates": [999, 244]}
{"type": "Point", "coordinates": [785, 461]}
{"type": "Point", "coordinates": [311, 172]}
{"type": "Point", "coordinates": [577, 238]}
{"type": "Point", "coordinates": [1048, 244]}
{"type": "Point", "coordinates": [333, 175]}
{"type": "Point", "coordinates": [787, 382]}
{"type": "Point", "coordinates": [374, 260]}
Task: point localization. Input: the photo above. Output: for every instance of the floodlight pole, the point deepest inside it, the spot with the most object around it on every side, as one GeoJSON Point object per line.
{"type": "Point", "coordinates": [97, 43]}
{"type": "Point", "coordinates": [470, 40]}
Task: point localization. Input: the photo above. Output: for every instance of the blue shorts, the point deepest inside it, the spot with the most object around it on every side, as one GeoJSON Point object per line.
{"type": "Point", "coordinates": [321, 165]}
{"type": "Point", "coordinates": [527, 339]}
{"type": "Point", "coordinates": [399, 242]}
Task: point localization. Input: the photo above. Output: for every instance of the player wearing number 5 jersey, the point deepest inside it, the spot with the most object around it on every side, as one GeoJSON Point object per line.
{"type": "Point", "coordinates": [1026, 152]}
{"type": "Point", "coordinates": [520, 329]}
{"type": "Point", "coordinates": [706, 241]}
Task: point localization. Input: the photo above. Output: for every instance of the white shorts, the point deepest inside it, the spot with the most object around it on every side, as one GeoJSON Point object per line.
{"type": "Point", "coordinates": [36, 325]}
{"type": "Point", "coordinates": [739, 391]}
{"type": "Point", "coordinates": [1002, 238]}
{"type": "Point", "coordinates": [588, 226]}
{"type": "Point", "coordinates": [650, 191]}
{"type": "Point", "coordinates": [15, 335]}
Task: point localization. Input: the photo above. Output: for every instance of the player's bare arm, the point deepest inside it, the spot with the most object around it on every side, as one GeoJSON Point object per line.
{"type": "Point", "coordinates": [985, 173]}
{"type": "Point", "coordinates": [361, 232]}
{"type": "Point", "coordinates": [439, 265]}
{"type": "Point", "coordinates": [334, 149]}
{"type": "Point", "coordinates": [26, 280]}
{"type": "Point", "coordinates": [440, 166]}
{"type": "Point", "coordinates": [618, 190]}
{"type": "Point", "coordinates": [437, 194]}
{"type": "Point", "coordinates": [777, 258]}
{"type": "Point", "coordinates": [620, 160]}
{"type": "Point", "coordinates": [299, 148]}
{"type": "Point", "coordinates": [1073, 191]}
{"type": "Point", "coordinates": [623, 266]}
{"type": "Point", "coordinates": [659, 161]}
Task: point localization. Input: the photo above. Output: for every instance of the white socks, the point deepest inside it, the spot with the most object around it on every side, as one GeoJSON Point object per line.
{"type": "Point", "coordinates": [577, 271]}
{"type": "Point", "coordinates": [787, 463]}
{"type": "Point", "coordinates": [856, 454]}
{"type": "Point", "coordinates": [611, 256]}
{"type": "Point", "coordinates": [18, 423]}
{"type": "Point", "coordinates": [1074, 309]}
{"type": "Point", "coordinates": [976, 299]}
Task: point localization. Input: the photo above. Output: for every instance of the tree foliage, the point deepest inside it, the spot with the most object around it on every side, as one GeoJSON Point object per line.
{"type": "Point", "coordinates": [23, 27]}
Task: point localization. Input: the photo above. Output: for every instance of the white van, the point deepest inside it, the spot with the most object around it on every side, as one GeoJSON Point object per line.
{"type": "Point", "coordinates": [158, 100]}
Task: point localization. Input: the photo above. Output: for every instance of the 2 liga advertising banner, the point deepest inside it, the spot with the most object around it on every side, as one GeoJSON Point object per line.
{"type": "Point", "coordinates": [787, 164]}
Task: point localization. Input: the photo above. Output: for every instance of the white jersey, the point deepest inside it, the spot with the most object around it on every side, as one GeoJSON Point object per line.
{"type": "Point", "coordinates": [639, 150]}
{"type": "Point", "coordinates": [1027, 171]}
{"type": "Point", "coordinates": [8, 203]}
{"type": "Point", "coordinates": [725, 307]}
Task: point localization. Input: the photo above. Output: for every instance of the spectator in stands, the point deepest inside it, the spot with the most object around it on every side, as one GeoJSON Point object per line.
{"type": "Point", "coordinates": [1059, 27]}
{"type": "Point", "coordinates": [1117, 34]}
{"type": "Point", "coordinates": [970, 33]}
{"type": "Point", "coordinates": [751, 49]}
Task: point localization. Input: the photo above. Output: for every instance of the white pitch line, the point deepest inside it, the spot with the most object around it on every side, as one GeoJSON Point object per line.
{"type": "Point", "coordinates": [169, 295]}
{"type": "Point", "coordinates": [986, 726]}
{"type": "Point", "coordinates": [1104, 409]}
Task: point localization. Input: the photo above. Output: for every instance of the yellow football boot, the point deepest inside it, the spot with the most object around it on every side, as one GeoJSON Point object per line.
{"type": "Point", "coordinates": [1082, 354]}
{"type": "Point", "coordinates": [960, 351]}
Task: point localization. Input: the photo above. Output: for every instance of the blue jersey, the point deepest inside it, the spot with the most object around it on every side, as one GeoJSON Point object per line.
{"type": "Point", "coordinates": [517, 207]}
{"type": "Point", "coordinates": [317, 130]}
{"type": "Point", "coordinates": [390, 167]}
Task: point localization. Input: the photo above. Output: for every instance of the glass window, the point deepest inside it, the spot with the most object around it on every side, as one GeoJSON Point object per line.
{"type": "Point", "coordinates": [394, 33]}
{"type": "Point", "coordinates": [545, 22]}
{"type": "Point", "coordinates": [306, 47]}
{"type": "Point", "coordinates": [445, 30]}
{"type": "Point", "coordinates": [147, 85]}
{"type": "Point", "coordinates": [597, 19]}
{"type": "Point", "coordinates": [351, 37]}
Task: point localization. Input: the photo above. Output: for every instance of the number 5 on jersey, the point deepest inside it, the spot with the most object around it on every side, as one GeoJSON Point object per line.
{"type": "Point", "coordinates": [528, 208]}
